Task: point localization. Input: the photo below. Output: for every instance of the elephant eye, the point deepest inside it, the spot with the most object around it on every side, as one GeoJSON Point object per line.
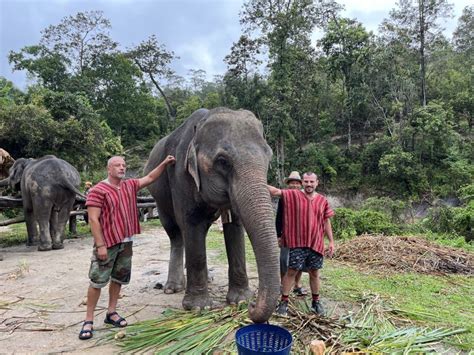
{"type": "Point", "coordinates": [222, 162]}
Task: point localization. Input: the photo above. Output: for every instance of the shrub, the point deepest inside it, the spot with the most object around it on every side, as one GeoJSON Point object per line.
{"type": "Point", "coordinates": [370, 221]}
{"type": "Point", "coordinates": [343, 223]}
{"type": "Point", "coordinates": [439, 219]}
{"type": "Point", "coordinates": [453, 220]}
{"type": "Point", "coordinates": [466, 193]}
{"type": "Point", "coordinates": [393, 208]}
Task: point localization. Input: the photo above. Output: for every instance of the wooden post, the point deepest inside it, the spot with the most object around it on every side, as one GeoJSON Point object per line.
{"type": "Point", "coordinates": [73, 224]}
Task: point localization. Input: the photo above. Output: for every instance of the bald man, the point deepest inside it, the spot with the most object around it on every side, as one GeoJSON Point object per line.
{"type": "Point", "coordinates": [113, 217]}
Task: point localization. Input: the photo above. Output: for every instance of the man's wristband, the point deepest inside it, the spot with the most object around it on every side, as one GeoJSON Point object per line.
{"type": "Point", "coordinates": [98, 246]}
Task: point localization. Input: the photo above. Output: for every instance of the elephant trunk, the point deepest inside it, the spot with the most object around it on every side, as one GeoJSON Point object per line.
{"type": "Point", "coordinates": [252, 200]}
{"type": "Point", "coordinates": [5, 182]}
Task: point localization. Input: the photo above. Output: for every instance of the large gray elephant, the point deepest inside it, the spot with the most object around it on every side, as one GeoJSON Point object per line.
{"type": "Point", "coordinates": [48, 189]}
{"type": "Point", "coordinates": [221, 164]}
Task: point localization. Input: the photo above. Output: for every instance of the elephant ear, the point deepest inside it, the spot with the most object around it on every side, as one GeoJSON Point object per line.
{"type": "Point", "coordinates": [191, 164]}
{"type": "Point", "coordinates": [16, 171]}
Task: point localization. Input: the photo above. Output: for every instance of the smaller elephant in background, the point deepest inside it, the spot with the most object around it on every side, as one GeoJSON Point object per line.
{"type": "Point", "coordinates": [49, 186]}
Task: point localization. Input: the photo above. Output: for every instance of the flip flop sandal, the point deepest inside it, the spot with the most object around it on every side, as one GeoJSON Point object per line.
{"type": "Point", "coordinates": [116, 323]}
{"type": "Point", "coordinates": [83, 332]}
{"type": "Point", "coordinates": [300, 291]}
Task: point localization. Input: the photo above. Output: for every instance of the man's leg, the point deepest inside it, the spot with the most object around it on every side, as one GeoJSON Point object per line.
{"type": "Point", "coordinates": [288, 281]}
{"type": "Point", "coordinates": [284, 255]}
{"type": "Point", "coordinates": [114, 293]}
{"type": "Point", "coordinates": [298, 279]}
{"type": "Point", "coordinates": [315, 263]}
{"type": "Point", "coordinates": [287, 284]}
{"type": "Point", "coordinates": [93, 295]}
{"type": "Point", "coordinates": [314, 281]}
{"type": "Point", "coordinates": [121, 274]}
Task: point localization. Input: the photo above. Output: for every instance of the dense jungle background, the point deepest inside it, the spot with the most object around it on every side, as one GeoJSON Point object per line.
{"type": "Point", "coordinates": [385, 120]}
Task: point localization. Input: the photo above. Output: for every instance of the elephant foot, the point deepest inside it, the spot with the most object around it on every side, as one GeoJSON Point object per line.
{"type": "Point", "coordinates": [46, 247]}
{"type": "Point", "coordinates": [236, 295]}
{"type": "Point", "coordinates": [33, 242]}
{"type": "Point", "coordinates": [196, 302]}
{"type": "Point", "coordinates": [58, 246]}
{"type": "Point", "coordinates": [173, 287]}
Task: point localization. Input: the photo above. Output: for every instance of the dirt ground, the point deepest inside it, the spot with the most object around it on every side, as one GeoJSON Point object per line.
{"type": "Point", "coordinates": [42, 294]}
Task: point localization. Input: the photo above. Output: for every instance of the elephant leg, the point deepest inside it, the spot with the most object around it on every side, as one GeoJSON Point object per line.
{"type": "Point", "coordinates": [235, 247]}
{"type": "Point", "coordinates": [53, 222]}
{"type": "Point", "coordinates": [197, 295]}
{"type": "Point", "coordinates": [175, 282]}
{"type": "Point", "coordinates": [42, 211]}
{"type": "Point", "coordinates": [58, 226]}
{"type": "Point", "coordinates": [31, 227]}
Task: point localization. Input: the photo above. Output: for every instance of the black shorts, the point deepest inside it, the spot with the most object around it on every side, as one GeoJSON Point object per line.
{"type": "Point", "coordinates": [305, 257]}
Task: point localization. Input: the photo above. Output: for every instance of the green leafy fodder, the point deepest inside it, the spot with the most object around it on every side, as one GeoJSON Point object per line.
{"type": "Point", "coordinates": [178, 331]}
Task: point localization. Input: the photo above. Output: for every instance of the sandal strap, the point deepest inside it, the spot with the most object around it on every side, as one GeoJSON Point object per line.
{"type": "Point", "coordinates": [87, 322]}
{"type": "Point", "coordinates": [112, 314]}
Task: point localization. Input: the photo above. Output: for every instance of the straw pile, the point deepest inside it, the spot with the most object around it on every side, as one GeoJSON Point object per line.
{"type": "Point", "coordinates": [406, 254]}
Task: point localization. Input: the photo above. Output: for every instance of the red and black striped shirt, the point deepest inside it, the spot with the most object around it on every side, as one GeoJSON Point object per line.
{"type": "Point", "coordinates": [303, 220]}
{"type": "Point", "coordinates": [118, 210]}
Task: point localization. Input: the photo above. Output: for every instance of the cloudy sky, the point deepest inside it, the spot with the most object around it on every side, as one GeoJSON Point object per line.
{"type": "Point", "coordinates": [200, 32]}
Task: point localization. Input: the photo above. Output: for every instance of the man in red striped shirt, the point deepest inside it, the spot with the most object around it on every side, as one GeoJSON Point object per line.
{"type": "Point", "coordinates": [306, 220]}
{"type": "Point", "coordinates": [113, 217]}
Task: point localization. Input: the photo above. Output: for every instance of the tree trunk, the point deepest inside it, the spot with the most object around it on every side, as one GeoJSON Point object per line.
{"type": "Point", "coordinates": [421, 13]}
{"type": "Point", "coordinates": [169, 108]}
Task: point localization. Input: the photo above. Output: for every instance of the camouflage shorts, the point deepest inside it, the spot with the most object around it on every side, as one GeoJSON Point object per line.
{"type": "Point", "coordinates": [117, 267]}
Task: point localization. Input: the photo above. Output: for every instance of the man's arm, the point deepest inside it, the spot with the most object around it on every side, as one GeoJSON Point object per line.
{"type": "Point", "coordinates": [96, 230]}
{"type": "Point", "coordinates": [155, 173]}
{"type": "Point", "coordinates": [328, 232]}
{"type": "Point", "coordinates": [274, 191]}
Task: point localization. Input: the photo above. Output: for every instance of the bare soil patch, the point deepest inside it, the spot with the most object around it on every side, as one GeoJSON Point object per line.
{"type": "Point", "coordinates": [42, 294]}
{"type": "Point", "coordinates": [406, 254]}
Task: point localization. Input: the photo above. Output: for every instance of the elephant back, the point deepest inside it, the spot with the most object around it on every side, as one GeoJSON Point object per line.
{"type": "Point", "coordinates": [52, 172]}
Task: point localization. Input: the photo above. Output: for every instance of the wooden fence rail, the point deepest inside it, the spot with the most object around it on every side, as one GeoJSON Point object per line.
{"type": "Point", "coordinates": [145, 204]}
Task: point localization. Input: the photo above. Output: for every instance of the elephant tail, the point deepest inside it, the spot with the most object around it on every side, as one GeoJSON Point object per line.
{"type": "Point", "coordinates": [79, 195]}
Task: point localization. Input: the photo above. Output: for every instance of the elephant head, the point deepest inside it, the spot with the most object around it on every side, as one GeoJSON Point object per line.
{"type": "Point", "coordinates": [228, 160]}
{"type": "Point", "coordinates": [16, 173]}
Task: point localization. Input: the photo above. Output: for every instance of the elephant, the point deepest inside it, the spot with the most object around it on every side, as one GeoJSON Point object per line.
{"type": "Point", "coordinates": [48, 189]}
{"type": "Point", "coordinates": [221, 165]}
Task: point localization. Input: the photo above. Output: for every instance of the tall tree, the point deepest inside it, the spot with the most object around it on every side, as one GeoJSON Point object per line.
{"type": "Point", "coordinates": [242, 80]}
{"type": "Point", "coordinates": [285, 27]}
{"type": "Point", "coordinates": [463, 36]}
{"type": "Point", "coordinates": [417, 24]}
{"type": "Point", "coordinates": [347, 45]}
{"type": "Point", "coordinates": [80, 39]}
{"type": "Point", "coordinates": [153, 60]}
{"type": "Point", "coordinates": [66, 50]}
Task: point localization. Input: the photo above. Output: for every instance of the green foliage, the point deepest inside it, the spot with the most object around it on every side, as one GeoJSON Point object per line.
{"type": "Point", "coordinates": [348, 223]}
{"type": "Point", "coordinates": [453, 220]}
{"type": "Point", "coordinates": [343, 223]}
{"type": "Point", "coordinates": [31, 131]}
{"type": "Point", "coordinates": [370, 221]}
{"type": "Point", "coordinates": [367, 113]}
{"type": "Point", "coordinates": [392, 208]}
{"type": "Point", "coordinates": [9, 95]}
{"type": "Point", "coordinates": [185, 110]}
{"type": "Point", "coordinates": [11, 212]}
{"type": "Point", "coordinates": [466, 193]}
